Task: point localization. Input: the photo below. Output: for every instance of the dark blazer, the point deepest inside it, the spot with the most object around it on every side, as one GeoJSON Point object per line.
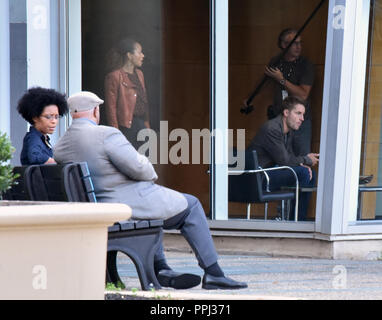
{"type": "Point", "coordinates": [274, 147]}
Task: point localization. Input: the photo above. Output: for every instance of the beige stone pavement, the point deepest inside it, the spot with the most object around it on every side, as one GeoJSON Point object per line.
{"type": "Point", "coordinates": [269, 278]}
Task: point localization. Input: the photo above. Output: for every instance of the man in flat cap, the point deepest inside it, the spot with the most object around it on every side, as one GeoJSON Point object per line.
{"type": "Point", "coordinates": [121, 174]}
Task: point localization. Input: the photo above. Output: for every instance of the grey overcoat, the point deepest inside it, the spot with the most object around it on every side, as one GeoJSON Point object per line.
{"type": "Point", "coordinates": [119, 173]}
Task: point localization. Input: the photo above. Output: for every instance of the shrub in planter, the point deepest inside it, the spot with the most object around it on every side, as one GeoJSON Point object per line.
{"type": "Point", "coordinates": [7, 177]}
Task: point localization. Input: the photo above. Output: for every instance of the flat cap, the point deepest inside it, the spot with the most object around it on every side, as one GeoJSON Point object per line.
{"type": "Point", "coordinates": [83, 101]}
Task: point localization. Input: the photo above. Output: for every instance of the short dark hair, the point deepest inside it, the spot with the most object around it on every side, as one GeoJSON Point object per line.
{"type": "Point", "coordinates": [33, 102]}
{"type": "Point", "coordinates": [283, 34]}
{"type": "Point", "coordinates": [290, 102]}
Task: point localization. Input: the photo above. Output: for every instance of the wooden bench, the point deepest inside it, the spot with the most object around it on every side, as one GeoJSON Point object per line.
{"type": "Point", "coordinates": [138, 239]}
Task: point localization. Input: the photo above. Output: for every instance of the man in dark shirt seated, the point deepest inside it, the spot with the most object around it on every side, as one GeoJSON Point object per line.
{"type": "Point", "coordinates": [274, 147]}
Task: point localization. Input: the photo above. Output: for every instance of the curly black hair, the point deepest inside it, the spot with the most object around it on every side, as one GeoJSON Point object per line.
{"type": "Point", "coordinates": [33, 102]}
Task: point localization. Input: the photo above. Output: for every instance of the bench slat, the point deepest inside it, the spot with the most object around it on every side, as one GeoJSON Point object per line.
{"type": "Point", "coordinates": [141, 224]}
{"type": "Point", "coordinates": [114, 228]}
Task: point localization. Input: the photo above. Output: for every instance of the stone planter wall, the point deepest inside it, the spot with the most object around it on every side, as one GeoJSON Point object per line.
{"type": "Point", "coordinates": [55, 250]}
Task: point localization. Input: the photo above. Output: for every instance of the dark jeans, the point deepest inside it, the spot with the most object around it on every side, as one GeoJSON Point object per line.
{"type": "Point", "coordinates": [286, 178]}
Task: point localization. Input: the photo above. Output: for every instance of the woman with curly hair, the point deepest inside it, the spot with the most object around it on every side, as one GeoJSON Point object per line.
{"type": "Point", "coordinates": [41, 108]}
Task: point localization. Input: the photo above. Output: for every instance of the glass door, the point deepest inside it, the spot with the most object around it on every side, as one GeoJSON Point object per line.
{"type": "Point", "coordinates": [173, 36]}
{"type": "Point", "coordinates": [254, 32]}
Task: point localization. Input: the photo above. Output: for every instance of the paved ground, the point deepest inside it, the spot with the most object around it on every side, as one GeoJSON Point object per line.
{"type": "Point", "coordinates": [271, 278]}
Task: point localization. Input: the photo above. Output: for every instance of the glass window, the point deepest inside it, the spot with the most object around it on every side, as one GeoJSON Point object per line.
{"type": "Point", "coordinates": [254, 30]}
{"type": "Point", "coordinates": [173, 59]}
{"type": "Point", "coordinates": [370, 203]}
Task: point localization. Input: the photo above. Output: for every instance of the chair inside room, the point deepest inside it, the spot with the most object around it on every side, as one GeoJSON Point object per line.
{"type": "Point", "coordinates": [247, 186]}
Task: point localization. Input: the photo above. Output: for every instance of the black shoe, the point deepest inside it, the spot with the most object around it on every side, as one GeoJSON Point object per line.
{"type": "Point", "coordinates": [177, 280]}
{"type": "Point", "coordinates": [211, 282]}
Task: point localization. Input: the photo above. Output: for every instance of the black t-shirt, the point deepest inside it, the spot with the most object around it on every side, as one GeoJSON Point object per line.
{"type": "Point", "coordinates": [300, 71]}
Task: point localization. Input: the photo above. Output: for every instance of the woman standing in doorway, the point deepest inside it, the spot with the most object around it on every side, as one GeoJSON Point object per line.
{"type": "Point", "coordinates": [125, 92]}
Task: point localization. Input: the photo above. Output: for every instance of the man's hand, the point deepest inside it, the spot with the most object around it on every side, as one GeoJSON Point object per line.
{"type": "Point", "coordinates": [314, 157]}
{"type": "Point", "coordinates": [274, 73]}
{"type": "Point", "coordinates": [309, 169]}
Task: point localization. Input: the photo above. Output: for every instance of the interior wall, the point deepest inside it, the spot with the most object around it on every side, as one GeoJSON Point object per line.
{"type": "Point", "coordinates": [185, 100]}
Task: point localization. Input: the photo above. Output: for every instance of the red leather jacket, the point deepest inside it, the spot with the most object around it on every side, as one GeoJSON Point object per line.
{"type": "Point", "coordinates": [120, 98]}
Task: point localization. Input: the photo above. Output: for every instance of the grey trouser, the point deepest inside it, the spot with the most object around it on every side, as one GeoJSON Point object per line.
{"type": "Point", "coordinates": [193, 225]}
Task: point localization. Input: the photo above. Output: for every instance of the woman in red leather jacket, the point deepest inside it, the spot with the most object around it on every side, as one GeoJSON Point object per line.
{"type": "Point", "coordinates": [125, 92]}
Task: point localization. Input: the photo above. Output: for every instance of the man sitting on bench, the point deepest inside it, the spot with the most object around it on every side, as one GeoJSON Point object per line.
{"type": "Point", "coordinates": [274, 146]}
{"type": "Point", "coordinates": [121, 174]}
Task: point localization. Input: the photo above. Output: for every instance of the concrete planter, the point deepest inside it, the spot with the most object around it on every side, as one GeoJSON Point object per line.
{"type": "Point", "coordinates": [55, 250]}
